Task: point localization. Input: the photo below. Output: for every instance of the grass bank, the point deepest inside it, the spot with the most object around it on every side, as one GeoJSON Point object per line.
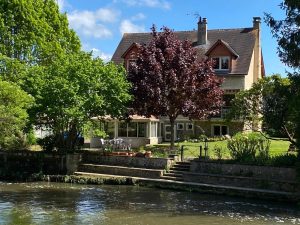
{"type": "Point", "coordinates": [192, 149]}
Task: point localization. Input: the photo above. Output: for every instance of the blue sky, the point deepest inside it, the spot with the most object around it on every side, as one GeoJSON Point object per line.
{"type": "Point", "coordinates": [101, 23]}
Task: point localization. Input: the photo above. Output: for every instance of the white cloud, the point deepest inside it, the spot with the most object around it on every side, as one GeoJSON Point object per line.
{"type": "Point", "coordinates": [98, 53]}
{"type": "Point", "coordinates": [149, 3]}
{"type": "Point", "coordinates": [107, 15]}
{"type": "Point", "coordinates": [90, 23]}
{"type": "Point", "coordinates": [60, 4]}
{"type": "Point", "coordinates": [128, 27]}
{"type": "Point", "coordinates": [139, 16]}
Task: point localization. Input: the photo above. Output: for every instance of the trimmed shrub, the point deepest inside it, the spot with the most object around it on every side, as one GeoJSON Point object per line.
{"type": "Point", "coordinates": [247, 147]}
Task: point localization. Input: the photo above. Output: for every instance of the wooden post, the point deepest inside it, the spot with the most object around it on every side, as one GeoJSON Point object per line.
{"type": "Point", "coordinates": [200, 151]}
{"type": "Point", "coordinates": [181, 153]}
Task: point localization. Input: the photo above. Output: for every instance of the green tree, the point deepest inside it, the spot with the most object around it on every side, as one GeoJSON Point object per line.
{"type": "Point", "coordinates": [14, 103]}
{"type": "Point", "coordinates": [33, 34]}
{"type": "Point", "coordinates": [169, 79]}
{"type": "Point", "coordinates": [34, 31]}
{"type": "Point", "coordinates": [287, 34]}
{"type": "Point", "coordinates": [74, 90]}
{"type": "Point", "coordinates": [269, 102]}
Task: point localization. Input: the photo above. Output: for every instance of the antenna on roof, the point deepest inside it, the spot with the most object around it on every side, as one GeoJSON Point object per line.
{"type": "Point", "coordinates": [194, 14]}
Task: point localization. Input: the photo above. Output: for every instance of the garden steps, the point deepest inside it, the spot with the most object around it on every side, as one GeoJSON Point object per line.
{"type": "Point", "coordinates": [200, 187]}
{"type": "Point", "coordinates": [120, 170]}
{"type": "Point", "coordinates": [176, 171]}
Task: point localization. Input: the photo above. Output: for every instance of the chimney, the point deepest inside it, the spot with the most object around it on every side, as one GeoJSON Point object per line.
{"type": "Point", "coordinates": [202, 31]}
{"type": "Point", "coordinates": [257, 73]}
{"type": "Point", "coordinates": [256, 23]}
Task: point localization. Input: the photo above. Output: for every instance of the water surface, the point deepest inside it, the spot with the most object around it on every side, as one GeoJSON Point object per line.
{"type": "Point", "coordinates": [56, 203]}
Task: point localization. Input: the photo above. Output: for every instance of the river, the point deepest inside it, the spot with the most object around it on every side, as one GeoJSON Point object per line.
{"type": "Point", "coordinates": [57, 203]}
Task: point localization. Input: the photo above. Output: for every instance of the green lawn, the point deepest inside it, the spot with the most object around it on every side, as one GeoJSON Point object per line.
{"type": "Point", "coordinates": [278, 147]}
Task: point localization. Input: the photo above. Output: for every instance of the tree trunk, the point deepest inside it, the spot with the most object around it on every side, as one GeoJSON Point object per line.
{"type": "Point", "coordinates": [172, 122]}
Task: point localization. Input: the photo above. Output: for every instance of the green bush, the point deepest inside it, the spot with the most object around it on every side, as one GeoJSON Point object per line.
{"type": "Point", "coordinates": [249, 147]}
{"type": "Point", "coordinates": [218, 152]}
{"type": "Point", "coordinates": [287, 160]}
{"type": "Point", "coordinates": [30, 138]}
{"type": "Point", "coordinates": [47, 143]}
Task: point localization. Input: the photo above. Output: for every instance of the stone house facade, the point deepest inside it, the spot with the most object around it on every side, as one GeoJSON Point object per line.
{"type": "Point", "coordinates": [238, 59]}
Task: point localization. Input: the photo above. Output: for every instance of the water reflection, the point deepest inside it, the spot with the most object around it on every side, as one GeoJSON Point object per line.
{"type": "Point", "coordinates": [52, 203]}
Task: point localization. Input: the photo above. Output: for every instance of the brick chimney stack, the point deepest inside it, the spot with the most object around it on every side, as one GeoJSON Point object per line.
{"type": "Point", "coordinates": [202, 31]}
{"type": "Point", "coordinates": [257, 73]}
{"type": "Point", "coordinates": [256, 23]}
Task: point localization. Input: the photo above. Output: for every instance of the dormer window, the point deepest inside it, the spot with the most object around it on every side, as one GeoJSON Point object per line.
{"type": "Point", "coordinates": [221, 63]}
{"type": "Point", "coordinates": [130, 62]}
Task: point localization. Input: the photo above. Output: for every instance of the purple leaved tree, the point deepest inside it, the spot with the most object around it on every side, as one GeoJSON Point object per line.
{"type": "Point", "coordinates": [169, 79]}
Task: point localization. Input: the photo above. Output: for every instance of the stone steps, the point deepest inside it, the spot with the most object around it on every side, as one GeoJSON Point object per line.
{"type": "Point", "coordinates": [120, 170]}
{"type": "Point", "coordinates": [176, 171]}
{"type": "Point", "coordinates": [165, 177]}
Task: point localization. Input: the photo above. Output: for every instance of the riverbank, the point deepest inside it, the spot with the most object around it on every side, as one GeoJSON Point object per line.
{"type": "Point", "coordinates": [204, 176]}
{"type": "Point", "coordinates": [100, 179]}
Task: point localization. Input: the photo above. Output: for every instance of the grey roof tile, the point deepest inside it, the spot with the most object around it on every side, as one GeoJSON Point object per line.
{"type": "Point", "coordinates": [240, 40]}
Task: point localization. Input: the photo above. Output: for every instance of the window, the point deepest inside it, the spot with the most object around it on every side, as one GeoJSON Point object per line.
{"type": "Point", "coordinates": [110, 129]}
{"type": "Point", "coordinates": [142, 129]}
{"type": "Point", "coordinates": [227, 99]}
{"type": "Point", "coordinates": [122, 129]}
{"type": "Point", "coordinates": [180, 126]}
{"type": "Point", "coordinates": [132, 129]}
{"type": "Point", "coordinates": [219, 130]}
{"type": "Point", "coordinates": [189, 126]}
{"type": "Point", "coordinates": [129, 63]}
{"type": "Point", "coordinates": [221, 63]}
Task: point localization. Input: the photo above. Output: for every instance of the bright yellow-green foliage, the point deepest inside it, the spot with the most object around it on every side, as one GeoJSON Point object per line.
{"type": "Point", "coordinates": [13, 116]}
{"type": "Point", "coordinates": [34, 31]}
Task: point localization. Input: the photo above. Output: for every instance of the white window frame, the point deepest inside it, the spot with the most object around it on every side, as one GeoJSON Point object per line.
{"type": "Point", "coordinates": [187, 126]}
{"type": "Point", "coordinates": [180, 124]}
{"type": "Point", "coordinates": [220, 62]}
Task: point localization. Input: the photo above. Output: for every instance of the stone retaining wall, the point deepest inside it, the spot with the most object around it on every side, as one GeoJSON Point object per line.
{"type": "Point", "coordinates": [20, 164]}
{"type": "Point", "coordinates": [120, 170]}
{"type": "Point", "coordinates": [263, 172]}
{"type": "Point", "coordinates": [138, 162]}
{"type": "Point", "coordinates": [238, 181]}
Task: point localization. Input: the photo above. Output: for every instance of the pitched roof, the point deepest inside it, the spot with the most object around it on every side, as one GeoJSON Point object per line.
{"type": "Point", "coordinates": [240, 40]}
{"type": "Point", "coordinates": [220, 41]}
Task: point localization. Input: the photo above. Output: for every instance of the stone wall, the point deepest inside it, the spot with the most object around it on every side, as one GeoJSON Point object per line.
{"type": "Point", "coordinates": [21, 164]}
{"type": "Point", "coordinates": [263, 172]}
{"type": "Point", "coordinates": [246, 176]}
{"type": "Point", "coordinates": [121, 170]}
{"type": "Point", "coordinates": [138, 162]}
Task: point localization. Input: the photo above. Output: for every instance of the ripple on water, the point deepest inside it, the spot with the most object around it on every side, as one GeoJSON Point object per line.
{"type": "Point", "coordinates": [87, 204]}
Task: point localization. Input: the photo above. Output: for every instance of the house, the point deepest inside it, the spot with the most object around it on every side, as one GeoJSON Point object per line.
{"type": "Point", "coordinates": [238, 59]}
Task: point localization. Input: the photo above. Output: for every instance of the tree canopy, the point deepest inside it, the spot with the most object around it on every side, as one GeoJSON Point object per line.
{"type": "Point", "coordinates": [34, 31]}
{"type": "Point", "coordinates": [287, 33]}
{"type": "Point", "coordinates": [14, 103]}
{"type": "Point", "coordinates": [74, 90]}
{"type": "Point", "coordinates": [41, 54]}
{"type": "Point", "coordinates": [270, 103]}
{"type": "Point", "coordinates": [168, 79]}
